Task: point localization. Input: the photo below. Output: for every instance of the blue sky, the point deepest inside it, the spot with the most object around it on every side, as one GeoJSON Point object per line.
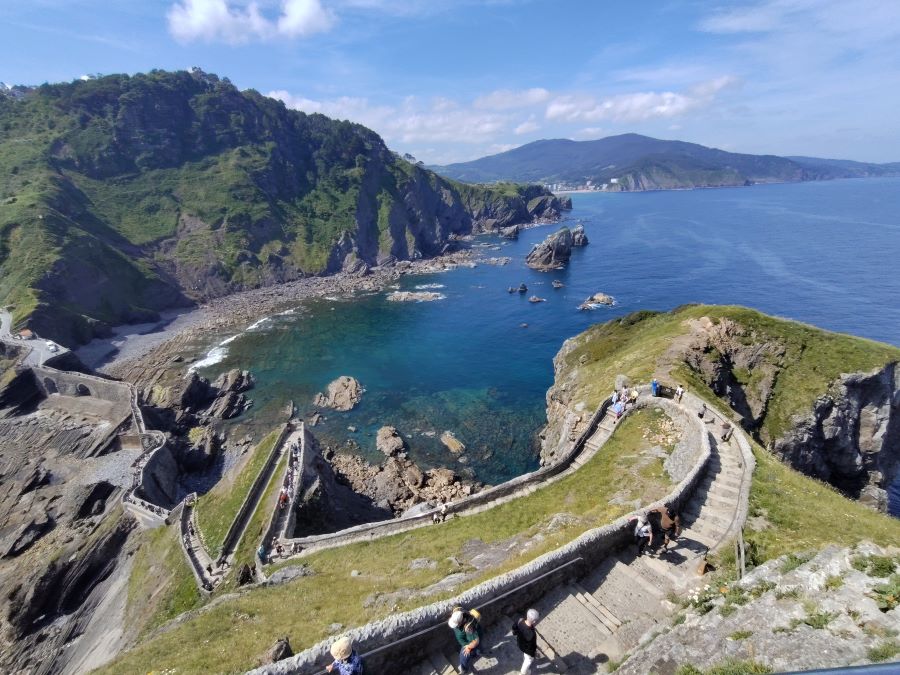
{"type": "Point", "coordinates": [451, 80]}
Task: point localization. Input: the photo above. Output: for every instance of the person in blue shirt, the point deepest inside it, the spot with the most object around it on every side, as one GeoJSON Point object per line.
{"type": "Point", "coordinates": [346, 660]}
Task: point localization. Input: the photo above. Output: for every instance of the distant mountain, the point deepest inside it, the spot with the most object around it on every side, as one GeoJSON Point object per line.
{"type": "Point", "coordinates": [635, 162]}
{"type": "Point", "coordinates": [121, 196]}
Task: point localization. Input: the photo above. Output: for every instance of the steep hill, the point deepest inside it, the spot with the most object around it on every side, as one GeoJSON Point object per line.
{"type": "Point", "coordinates": [642, 163]}
{"type": "Point", "coordinates": [123, 195]}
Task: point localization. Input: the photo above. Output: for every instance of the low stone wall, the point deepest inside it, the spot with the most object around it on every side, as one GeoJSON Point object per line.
{"type": "Point", "coordinates": [400, 640]}
{"type": "Point", "coordinates": [272, 529]}
{"type": "Point", "coordinates": [185, 518]}
{"type": "Point", "coordinates": [236, 530]}
{"type": "Point", "coordinates": [291, 521]}
{"type": "Point", "coordinates": [52, 381]}
{"type": "Point", "coordinates": [483, 499]}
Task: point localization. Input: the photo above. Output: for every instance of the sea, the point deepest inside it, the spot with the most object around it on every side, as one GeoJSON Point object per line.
{"type": "Point", "coordinates": [478, 361]}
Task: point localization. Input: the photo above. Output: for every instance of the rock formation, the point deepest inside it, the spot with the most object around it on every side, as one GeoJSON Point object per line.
{"type": "Point", "coordinates": [342, 394]}
{"type": "Point", "coordinates": [389, 442]}
{"type": "Point", "coordinates": [597, 299]}
{"type": "Point", "coordinates": [579, 238]}
{"type": "Point", "coordinates": [552, 253]}
{"type": "Point", "coordinates": [823, 614]}
{"type": "Point", "coordinates": [414, 296]}
{"type": "Point", "coordinates": [511, 232]}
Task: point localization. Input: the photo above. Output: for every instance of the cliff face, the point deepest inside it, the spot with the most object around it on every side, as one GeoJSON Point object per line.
{"type": "Point", "coordinates": [851, 437]}
{"type": "Point", "coordinates": [140, 193]}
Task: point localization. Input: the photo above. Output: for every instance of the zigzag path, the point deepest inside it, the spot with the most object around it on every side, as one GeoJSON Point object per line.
{"type": "Point", "coordinates": [605, 615]}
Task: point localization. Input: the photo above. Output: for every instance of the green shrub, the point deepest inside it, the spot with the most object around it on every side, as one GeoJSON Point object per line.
{"type": "Point", "coordinates": [887, 595]}
{"type": "Point", "coordinates": [884, 651]}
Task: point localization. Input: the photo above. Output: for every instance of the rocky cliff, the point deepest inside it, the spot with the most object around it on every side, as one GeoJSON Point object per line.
{"type": "Point", "coordinates": [827, 404]}
{"type": "Point", "coordinates": [138, 193]}
{"type": "Point", "coordinates": [554, 252]}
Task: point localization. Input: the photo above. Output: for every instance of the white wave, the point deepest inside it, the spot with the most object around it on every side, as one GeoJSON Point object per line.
{"type": "Point", "coordinates": [259, 323]}
{"type": "Point", "coordinates": [213, 356]}
{"type": "Point", "coordinates": [333, 298]}
{"type": "Point", "coordinates": [287, 312]}
{"type": "Point", "coordinates": [229, 340]}
{"type": "Point", "coordinates": [422, 287]}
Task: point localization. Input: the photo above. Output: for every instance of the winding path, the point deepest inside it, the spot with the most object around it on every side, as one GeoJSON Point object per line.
{"type": "Point", "coordinates": [605, 615]}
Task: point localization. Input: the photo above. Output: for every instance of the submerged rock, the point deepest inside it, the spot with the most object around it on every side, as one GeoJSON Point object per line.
{"type": "Point", "coordinates": [414, 296]}
{"type": "Point", "coordinates": [453, 444]}
{"type": "Point", "coordinates": [342, 394]}
{"type": "Point", "coordinates": [552, 253]}
{"type": "Point", "coordinates": [389, 441]}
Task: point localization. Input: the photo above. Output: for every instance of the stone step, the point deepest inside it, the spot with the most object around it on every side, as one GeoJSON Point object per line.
{"type": "Point", "coordinates": [708, 530]}
{"type": "Point", "coordinates": [567, 625]}
{"type": "Point", "coordinates": [702, 498]}
{"type": "Point", "coordinates": [608, 616]}
{"type": "Point", "coordinates": [709, 514]}
{"type": "Point", "coordinates": [424, 668]}
{"type": "Point", "coordinates": [620, 569]}
{"type": "Point", "coordinates": [652, 570]}
{"type": "Point", "coordinates": [441, 664]}
{"type": "Point", "coordinates": [699, 537]}
{"type": "Point", "coordinates": [720, 487]}
{"type": "Point", "coordinates": [605, 626]}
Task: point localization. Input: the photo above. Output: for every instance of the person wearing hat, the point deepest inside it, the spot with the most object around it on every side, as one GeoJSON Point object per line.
{"type": "Point", "coordinates": [346, 660]}
{"type": "Point", "coordinates": [467, 629]}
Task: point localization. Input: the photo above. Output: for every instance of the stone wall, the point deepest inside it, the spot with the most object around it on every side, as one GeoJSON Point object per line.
{"type": "Point", "coordinates": [401, 640]}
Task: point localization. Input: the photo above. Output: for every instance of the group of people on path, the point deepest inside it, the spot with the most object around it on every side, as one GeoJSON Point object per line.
{"type": "Point", "coordinates": [621, 399]}
{"type": "Point", "coordinates": [469, 634]}
{"type": "Point", "coordinates": [662, 522]}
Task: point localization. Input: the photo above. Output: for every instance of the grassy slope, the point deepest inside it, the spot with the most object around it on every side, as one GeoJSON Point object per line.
{"type": "Point", "coordinates": [217, 508]}
{"type": "Point", "coordinates": [228, 636]}
{"type": "Point", "coordinates": [634, 344]}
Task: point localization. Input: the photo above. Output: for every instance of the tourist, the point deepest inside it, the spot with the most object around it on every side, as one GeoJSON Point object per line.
{"type": "Point", "coordinates": [654, 387]}
{"type": "Point", "coordinates": [632, 397]}
{"type": "Point", "coordinates": [279, 550]}
{"type": "Point", "coordinates": [614, 397]}
{"type": "Point", "coordinates": [443, 512]}
{"type": "Point", "coordinates": [670, 524]}
{"type": "Point", "coordinates": [727, 430]}
{"type": "Point", "coordinates": [618, 409]}
{"type": "Point", "coordinates": [209, 569]}
{"type": "Point", "coordinates": [468, 632]}
{"type": "Point", "coordinates": [702, 411]}
{"type": "Point", "coordinates": [261, 553]}
{"type": "Point", "coordinates": [346, 660]}
{"type": "Point", "coordinates": [526, 639]}
{"type": "Point", "coordinates": [642, 532]}
{"type": "Point", "coordinates": [679, 392]}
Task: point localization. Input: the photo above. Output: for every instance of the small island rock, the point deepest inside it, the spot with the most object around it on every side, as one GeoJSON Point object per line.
{"type": "Point", "coordinates": [453, 444]}
{"type": "Point", "coordinates": [342, 394]}
{"type": "Point", "coordinates": [579, 238]}
{"type": "Point", "coordinates": [389, 441]}
{"type": "Point", "coordinates": [597, 299]}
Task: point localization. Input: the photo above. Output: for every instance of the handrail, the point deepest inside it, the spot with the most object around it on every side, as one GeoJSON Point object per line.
{"type": "Point", "coordinates": [442, 624]}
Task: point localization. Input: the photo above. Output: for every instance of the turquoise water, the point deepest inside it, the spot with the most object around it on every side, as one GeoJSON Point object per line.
{"type": "Point", "coordinates": [818, 252]}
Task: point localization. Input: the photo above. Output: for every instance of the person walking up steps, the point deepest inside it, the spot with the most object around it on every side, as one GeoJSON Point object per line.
{"type": "Point", "coordinates": [670, 524]}
{"type": "Point", "coordinates": [467, 629]}
{"type": "Point", "coordinates": [679, 392]}
{"type": "Point", "coordinates": [526, 638]}
{"type": "Point", "coordinates": [346, 660]}
{"type": "Point", "coordinates": [642, 532]}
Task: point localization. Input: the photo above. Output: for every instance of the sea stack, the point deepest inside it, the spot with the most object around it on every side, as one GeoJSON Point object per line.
{"type": "Point", "coordinates": [552, 253]}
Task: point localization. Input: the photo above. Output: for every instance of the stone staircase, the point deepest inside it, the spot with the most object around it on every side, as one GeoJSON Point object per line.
{"type": "Point", "coordinates": [607, 614]}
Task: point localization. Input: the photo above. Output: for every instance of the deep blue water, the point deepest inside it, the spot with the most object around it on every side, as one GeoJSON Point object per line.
{"type": "Point", "coordinates": [822, 253]}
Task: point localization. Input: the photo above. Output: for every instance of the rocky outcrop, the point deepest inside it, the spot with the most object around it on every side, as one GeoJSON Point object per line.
{"type": "Point", "coordinates": [552, 253]}
{"type": "Point", "coordinates": [454, 445]}
{"type": "Point", "coordinates": [851, 437]}
{"type": "Point", "coordinates": [579, 238]}
{"type": "Point", "coordinates": [389, 441]}
{"type": "Point", "coordinates": [342, 394]}
{"type": "Point", "coordinates": [398, 483]}
{"type": "Point", "coordinates": [597, 300]}
{"type": "Point", "coordinates": [826, 613]}
{"type": "Point", "coordinates": [414, 296]}
{"type": "Point", "coordinates": [511, 232]}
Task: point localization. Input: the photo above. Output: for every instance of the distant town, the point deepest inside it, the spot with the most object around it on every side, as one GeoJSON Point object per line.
{"type": "Point", "coordinates": [587, 186]}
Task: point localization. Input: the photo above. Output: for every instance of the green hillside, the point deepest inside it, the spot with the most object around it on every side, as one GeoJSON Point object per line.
{"type": "Point", "coordinates": [124, 195]}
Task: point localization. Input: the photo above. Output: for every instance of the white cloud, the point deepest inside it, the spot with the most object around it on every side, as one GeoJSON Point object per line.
{"type": "Point", "coordinates": [527, 127]}
{"type": "Point", "coordinates": [507, 99]}
{"type": "Point", "coordinates": [238, 23]}
{"type": "Point", "coordinates": [635, 107]}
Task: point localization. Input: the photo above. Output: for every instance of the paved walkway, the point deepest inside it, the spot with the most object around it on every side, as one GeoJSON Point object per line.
{"type": "Point", "coordinates": [605, 615]}
{"type": "Point", "coordinates": [38, 349]}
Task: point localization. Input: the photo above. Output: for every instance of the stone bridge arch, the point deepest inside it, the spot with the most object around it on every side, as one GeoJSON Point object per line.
{"type": "Point", "coordinates": [50, 385]}
{"type": "Point", "coordinates": [81, 389]}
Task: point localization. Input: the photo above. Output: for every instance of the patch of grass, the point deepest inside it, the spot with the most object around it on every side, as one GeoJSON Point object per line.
{"type": "Point", "coordinates": [834, 582]}
{"type": "Point", "coordinates": [875, 565]}
{"type": "Point", "coordinates": [231, 634]}
{"type": "Point", "coordinates": [884, 651]}
{"type": "Point", "coordinates": [161, 585]}
{"type": "Point", "coordinates": [887, 595]}
{"type": "Point", "coordinates": [793, 594]}
{"type": "Point", "coordinates": [728, 667]}
{"type": "Point", "coordinates": [794, 560]}
{"type": "Point", "coordinates": [802, 513]}
{"type": "Point", "coordinates": [818, 620]}
{"type": "Point", "coordinates": [216, 510]}
{"type": "Point", "coordinates": [740, 634]}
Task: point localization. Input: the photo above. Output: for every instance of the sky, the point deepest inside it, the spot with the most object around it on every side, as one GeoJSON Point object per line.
{"type": "Point", "coordinates": [453, 80]}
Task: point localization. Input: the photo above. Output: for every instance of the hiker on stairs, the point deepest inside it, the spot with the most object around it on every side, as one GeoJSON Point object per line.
{"type": "Point", "coordinates": [468, 631]}
{"type": "Point", "coordinates": [642, 534]}
{"type": "Point", "coordinates": [526, 638]}
{"type": "Point", "coordinates": [669, 524]}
